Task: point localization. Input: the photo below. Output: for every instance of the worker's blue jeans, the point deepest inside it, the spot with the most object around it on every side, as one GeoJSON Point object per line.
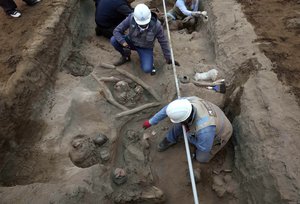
{"type": "Point", "coordinates": [145, 54]}
{"type": "Point", "coordinates": [203, 146]}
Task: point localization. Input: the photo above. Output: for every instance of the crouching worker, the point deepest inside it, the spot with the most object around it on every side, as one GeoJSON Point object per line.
{"type": "Point", "coordinates": [109, 14]}
{"type": "Point", "coordinates": [208, 129]}
{"type": "Point", "coordinates": [144, 28]}
{"type": "Point", "coordinates": [185, 14]}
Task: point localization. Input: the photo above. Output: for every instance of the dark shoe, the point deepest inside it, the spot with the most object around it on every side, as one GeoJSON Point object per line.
{"type": "Point", "coordinates": [32, 2]}
{"type": "Point", "coordinates": [122, 60]}
{"type": "Point", "coordinates": [164, 145]}
{"type": "Point", "coordinates": [153, 72]}
{"type": "Point", "coordinates": [14, 14]}
{"type": "Point", "coordinates": [98, 31]}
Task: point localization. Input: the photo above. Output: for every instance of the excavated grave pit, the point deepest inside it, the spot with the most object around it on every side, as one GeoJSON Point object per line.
{"type": "Point", "coordinates": [60, 155]}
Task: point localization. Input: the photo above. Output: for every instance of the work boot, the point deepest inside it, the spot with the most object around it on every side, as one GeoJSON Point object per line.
{"type": "Point", "coordinates": [32, 2]}
{"type": "Point", "coordinates": [164, 145]}
{"type": "Point", "coordinates": [98, 31]}
{"type": "Point", "coordinates": [122, 60]}
{"type": "Point", "coordinates": [153, 72]}
{"type": "Point", "coordinates": [14, 13]}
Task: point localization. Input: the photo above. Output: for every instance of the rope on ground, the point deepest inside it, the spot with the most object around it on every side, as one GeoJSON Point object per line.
{"type": "Point", "coordinates": [187, 148]}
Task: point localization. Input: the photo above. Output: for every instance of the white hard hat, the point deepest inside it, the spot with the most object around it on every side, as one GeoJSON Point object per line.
{"type": "Point", "coordinates": [142, 14]}
{"type": "Point", "coordinates": [179, 110]}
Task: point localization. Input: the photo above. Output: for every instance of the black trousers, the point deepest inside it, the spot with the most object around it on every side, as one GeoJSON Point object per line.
{"type": "Point", "coordinates": [105, 32]}
{"type": "Point", "coordinates": [9, 5]}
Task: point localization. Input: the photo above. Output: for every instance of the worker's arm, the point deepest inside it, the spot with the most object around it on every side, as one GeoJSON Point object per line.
{"type": "Point", "coordinates": [203, 141]}
{"type": "Point", "coordinates": [159, 116]}
{"type": "Point", "coordinates": [119, 31]}
{"type": "Point", "coordinates": [164, 44]}
{"type": "Point", "coordinates": [181, 5]}
{"type": "Point", "coordinates": [124, 10]}
{"type": "Point", "coordinates": [195, 5]}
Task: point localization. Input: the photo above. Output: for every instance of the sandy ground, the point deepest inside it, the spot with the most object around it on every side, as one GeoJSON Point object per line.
{"type": "Point", "coordinates": [277, 24]}
{"type": "Point", "coordinates": [16, 32]}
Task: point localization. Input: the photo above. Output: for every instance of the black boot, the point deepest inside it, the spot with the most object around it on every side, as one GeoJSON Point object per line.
{"type": "Point", "coordinates": [153, 72]}
{"type": "Point", "coordinates": [32, 2]}
{"type": "Point", "coordinates": [98, 31]}
{"type": "Point", "coordinates": [122, 60]}
{"type": "Point", "coordinates": [164, 145]}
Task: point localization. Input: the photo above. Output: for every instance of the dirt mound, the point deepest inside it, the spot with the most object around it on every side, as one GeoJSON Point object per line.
{"type": "Point", "coordinates": [277, 24]}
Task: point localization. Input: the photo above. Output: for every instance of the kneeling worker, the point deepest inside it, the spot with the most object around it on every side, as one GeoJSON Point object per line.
{"type": "Point", "coordinates": [186, 11]}
{"type": "Point", "coordinates": [208, 129]}
{"type": "Point", "coordinates": [144, 28]}
{"type": "Point", "coordinates": [109, 14]}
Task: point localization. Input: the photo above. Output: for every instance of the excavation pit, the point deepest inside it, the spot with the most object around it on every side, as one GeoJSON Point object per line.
{"type": "Point", "coordinates": [47, 99]}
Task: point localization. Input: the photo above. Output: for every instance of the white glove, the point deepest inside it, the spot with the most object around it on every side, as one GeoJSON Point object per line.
{"type": "Point", "coordinates": [196, 13]}
{"type": "Point", "coordinates": [204, 15]}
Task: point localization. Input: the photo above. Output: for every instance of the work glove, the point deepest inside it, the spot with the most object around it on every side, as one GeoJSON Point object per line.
{"type": "Point", "coordinates": [196, 13]}
{"type": "Point", "coordinates": [146, 124]}
{"type": "Point", "coordinates": [127, 51]}
{"type": "Point", "coordinates": [192, 138]}
{"type": "Point", "coordinates": [204, 15]}
{"type": "Point", "coordinates": [169, 61]}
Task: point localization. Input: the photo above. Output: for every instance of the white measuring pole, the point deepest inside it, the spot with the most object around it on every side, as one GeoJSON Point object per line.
{"type": "Point", "coordinates": [187, 147]}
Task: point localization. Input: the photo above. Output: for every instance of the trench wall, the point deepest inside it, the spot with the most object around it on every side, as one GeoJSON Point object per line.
{"type": "Point", "coordinates": [43, 55]}
{"type": "Point", "coordinates": [264, 112]}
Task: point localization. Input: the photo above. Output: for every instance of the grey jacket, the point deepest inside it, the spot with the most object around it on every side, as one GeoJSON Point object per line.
{"type": "Point", "coordinates": [143, 39]}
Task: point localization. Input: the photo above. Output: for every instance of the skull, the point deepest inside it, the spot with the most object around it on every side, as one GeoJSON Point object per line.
{"type": "Point", "coordinates": [121, 86]}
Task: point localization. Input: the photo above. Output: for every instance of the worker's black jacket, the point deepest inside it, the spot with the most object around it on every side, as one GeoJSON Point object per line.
{"type": "Point", "coordinates": [110, 13]}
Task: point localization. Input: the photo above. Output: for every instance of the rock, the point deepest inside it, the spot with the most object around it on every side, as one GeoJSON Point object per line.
{"type": "Point", "coordinates": [195, 35]}
{"type": "Point", "coordinates": [219, 186]}
{"type": "Point", "coordinates": [227, 179]}
{"type": "Point", "coordinates": [100, 139]}
{"type": "Point", "coordinates": [197, 175]}
{"type": "Point", "coordinates": [152, 195]}
{"type": "Point", "coordinates": [218, 180]}
{"type": "Point", "coordinates": [293, 23]}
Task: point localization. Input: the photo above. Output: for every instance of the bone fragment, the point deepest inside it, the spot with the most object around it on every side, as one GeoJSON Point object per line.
{"type": "Point", "coordinates": [139, 81]}
{"type": "Point", "coordinates": [204, 83]}
{"type": "Point", "coordinates": [137, 109]}
{"type": "Point", "coordinates": [107, 66]}
{"type": "Point", "coordinates": [107, 94]}
{"type": "Point", "coordinates": [110, 79]}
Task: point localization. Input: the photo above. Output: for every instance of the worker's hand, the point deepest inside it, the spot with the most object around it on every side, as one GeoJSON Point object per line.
{"type": "Point", "coordinates": [146, 124]}
{"type": "Point", "coordinates": [125, 45]}
{"type": "Point", "coordinates": [169, 61]}
{"type": "Point", "coordinates": [196, 13]}
{"type": "Point", "coordinates": [127, 51]}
